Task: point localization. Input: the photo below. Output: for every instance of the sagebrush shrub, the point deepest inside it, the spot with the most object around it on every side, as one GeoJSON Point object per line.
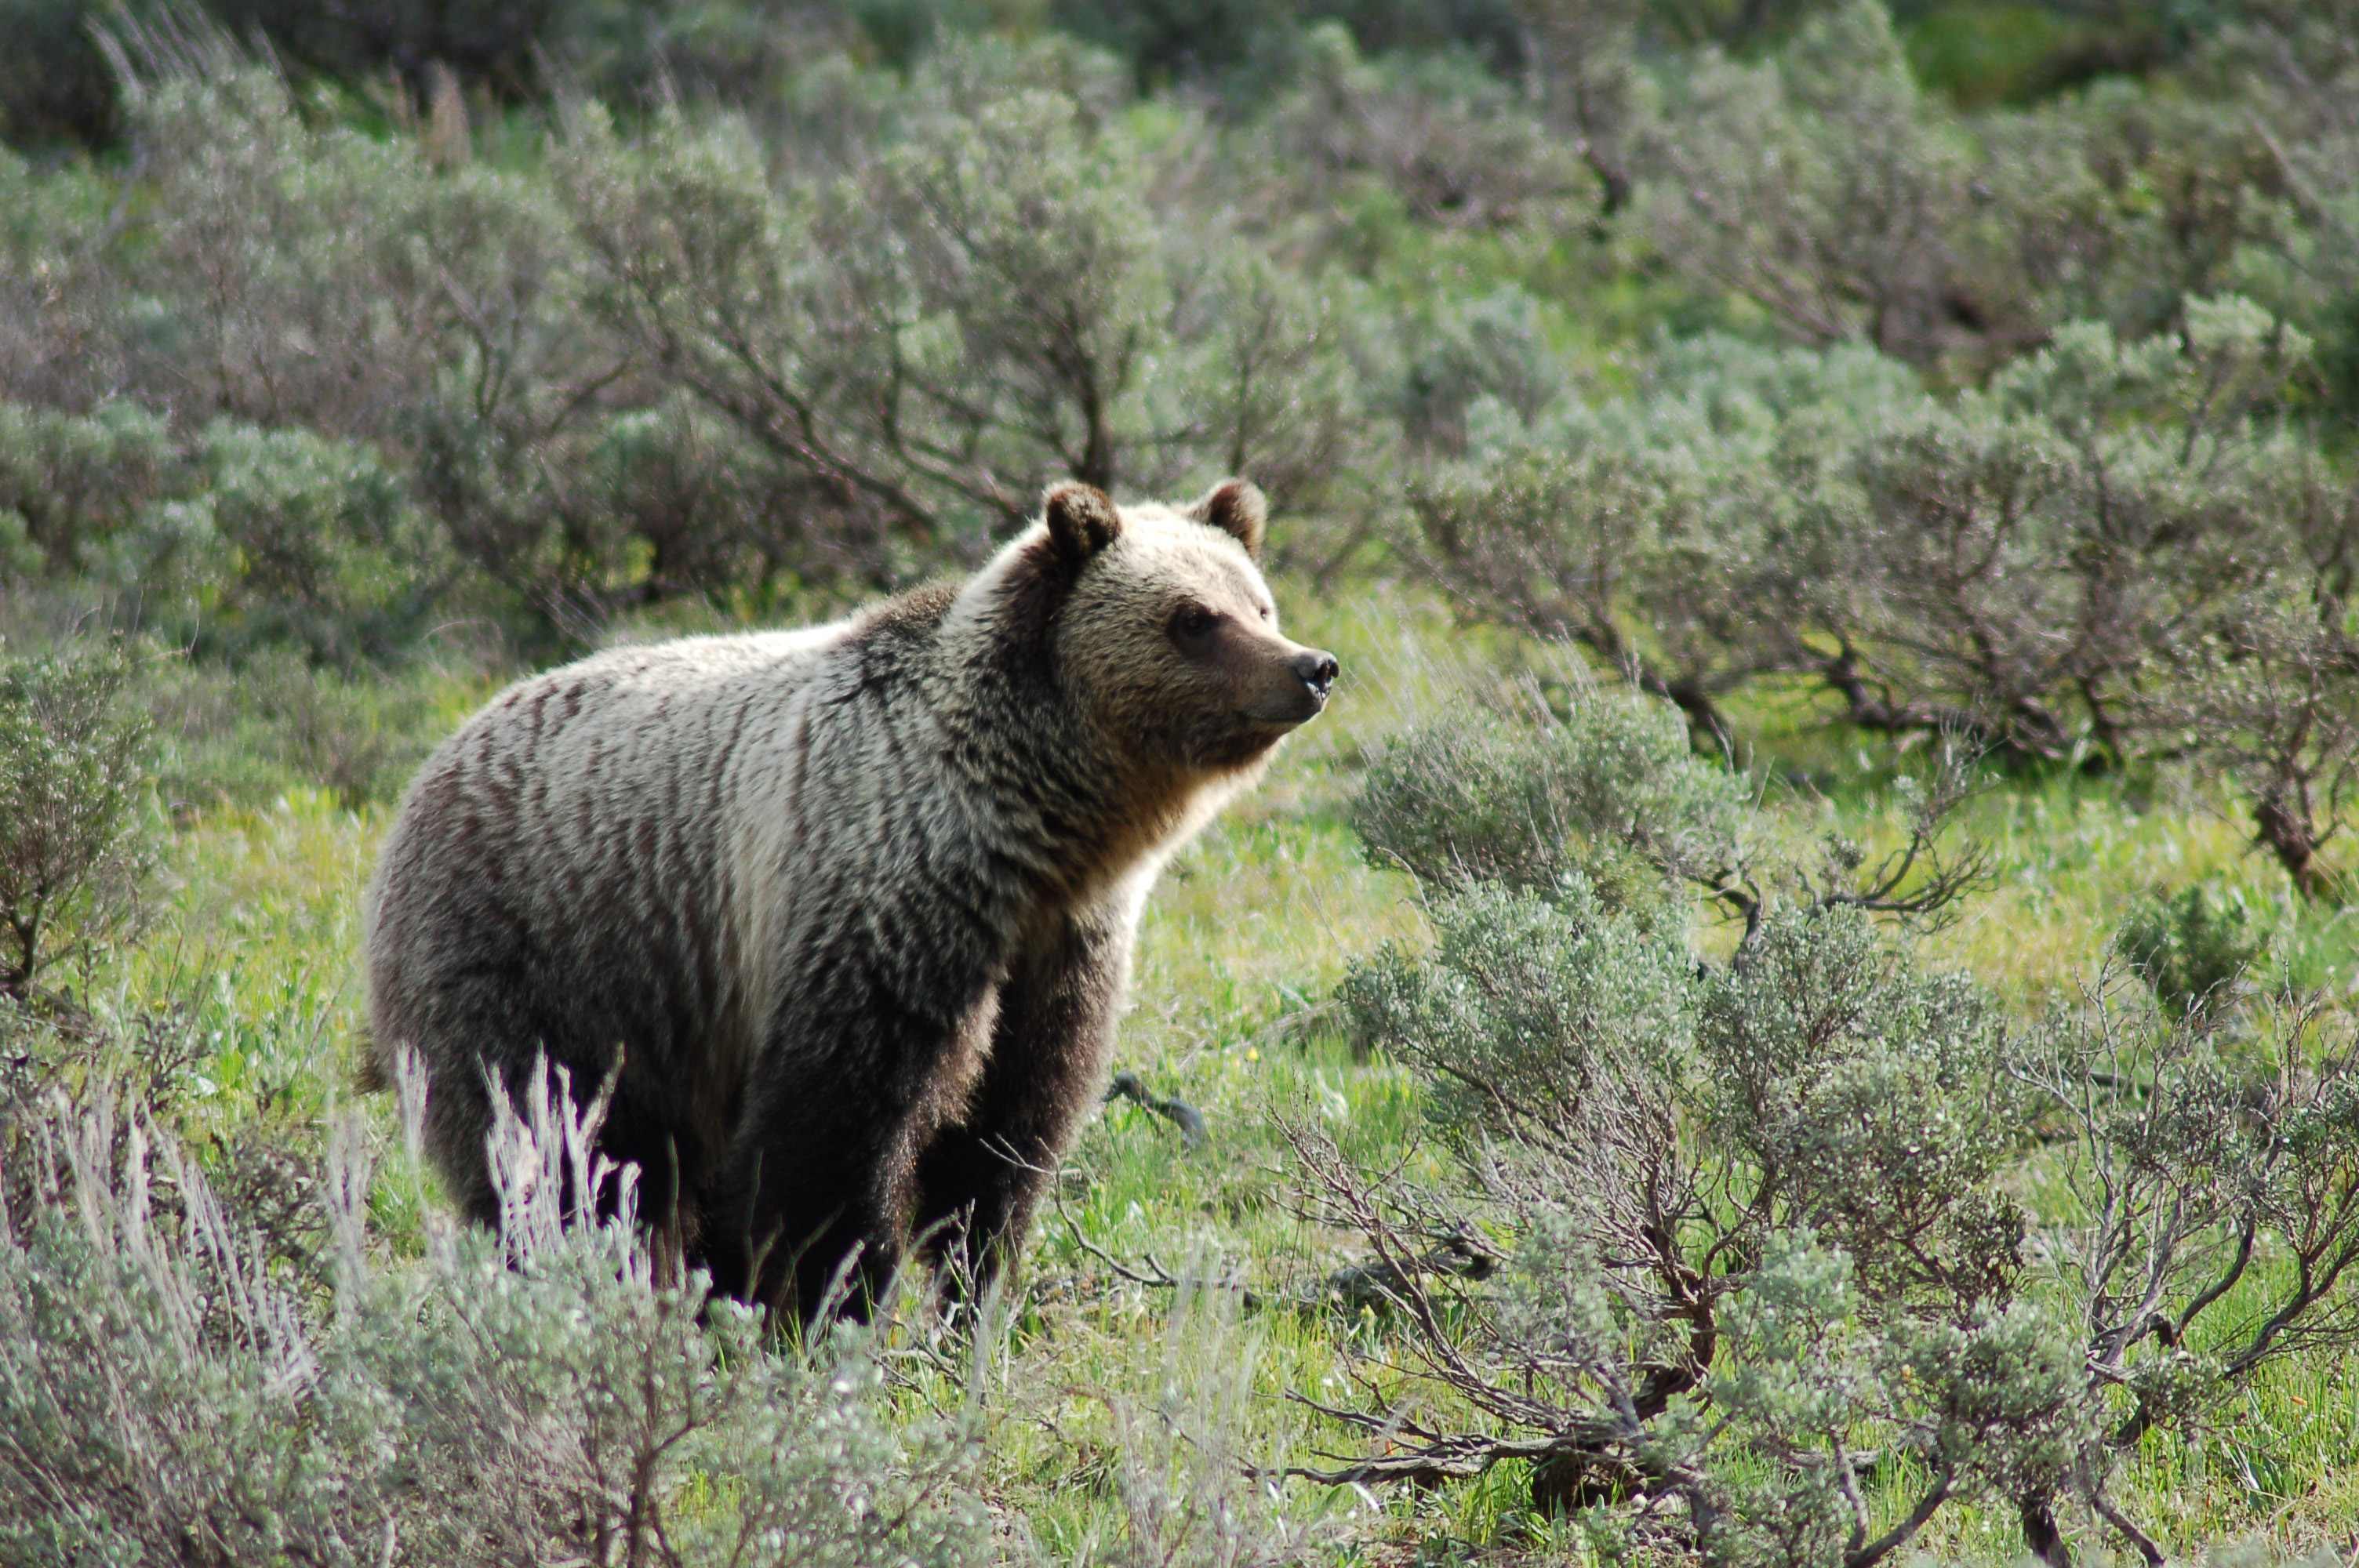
{"type": "Point", "coordinates": [535, 1394]}
{"type": "Point", "coordinates": [72, 780]}
{"type": "Point", "coordinates": [322, 547]}
{"type": "Point", "coordinates": [2190, 949]}
{"type": "Point", "coordinates": [1525, 1007]}
{"type": "Point", "coordinates": [1823, 185]}
{"type": "Point", "coordinates": [1699, 1172]}
{"type": "Point", "coordinates": [72, 486]}
{"type": "Point", "coordinates": [1763, 1210]}
{"type": "Point", "coordinates": [1609, 790]}
{"type": "Point", "coordinates": [1490, 348]}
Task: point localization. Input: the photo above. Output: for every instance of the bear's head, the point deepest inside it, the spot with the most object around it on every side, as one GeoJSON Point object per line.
{"type": "Point", "coordinates": [1166, 630]}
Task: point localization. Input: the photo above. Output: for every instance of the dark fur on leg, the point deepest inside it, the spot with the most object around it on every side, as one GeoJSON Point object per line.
{"type": "Point", "coordinates": [980, 1180]}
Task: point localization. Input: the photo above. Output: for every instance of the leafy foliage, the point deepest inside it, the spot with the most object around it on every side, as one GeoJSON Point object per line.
{"type": "Point", "coordinates": [1766, 1217]}
{"type": "Point", "coordinates": [1608, 793]}
{"type": "Point", "coordinates": [1699, 1178]}
{"type": "Point", "coordinates": [71, 788]}
{"type": "Point", "coordinates": [535, 1392]}
{"type": "Point", "coordinates": [2190, 949]}
{"type": "Point", "coordinates": [1816, 185]}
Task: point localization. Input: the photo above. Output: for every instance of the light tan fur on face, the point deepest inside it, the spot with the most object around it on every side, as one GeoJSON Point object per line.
{"type": "Point", "coordinates": [1206, 719]}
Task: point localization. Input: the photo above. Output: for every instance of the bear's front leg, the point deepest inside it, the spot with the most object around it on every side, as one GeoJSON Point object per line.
{"type": "Point", "coordinates": [823, 1169]}
{"type": "Point", "coordinates": [979, 1179]}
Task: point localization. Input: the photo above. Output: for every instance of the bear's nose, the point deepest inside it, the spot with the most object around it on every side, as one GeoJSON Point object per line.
{"type": "Point", "coordinates": [1316, 670]}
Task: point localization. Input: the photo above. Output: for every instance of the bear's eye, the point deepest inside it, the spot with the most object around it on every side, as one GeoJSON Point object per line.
{"type": "Point", "coordinates": [1193, 620]}
{"type": "Point", "coordinates": [1265, 612]}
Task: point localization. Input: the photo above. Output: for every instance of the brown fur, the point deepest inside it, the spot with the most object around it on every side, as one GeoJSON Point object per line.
{"type": "Point", "coordinates": [852, 907]}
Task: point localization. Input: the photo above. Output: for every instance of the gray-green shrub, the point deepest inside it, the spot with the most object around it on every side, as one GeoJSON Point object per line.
{"type": "Point", "coordinates": [1822, 185]}
{"type": "Point", "coordinates": [2190, 949]}
{"type": "Point", "coordinates": [71, 486]}
{"type": "Point", "coordinates": [1609, 790]}
{"type": "Point", "coordinates": [542, 1391]}
{"type": "Point", "coordinates": [72, 787]}
{"type": "Point", "coordinates": [1697, 1175]}
{"type": "Point", "coordinates": [1766, 1212]}
{"type": "Point", "coordinates": [319, 547]}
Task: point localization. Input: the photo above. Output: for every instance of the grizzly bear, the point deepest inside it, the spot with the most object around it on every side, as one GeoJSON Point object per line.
{"type": "Point", "coordinates": [844, 914]}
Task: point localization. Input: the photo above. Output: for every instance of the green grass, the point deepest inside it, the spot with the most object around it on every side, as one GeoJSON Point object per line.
{"type": "Point", "coordinates": [256, 944]}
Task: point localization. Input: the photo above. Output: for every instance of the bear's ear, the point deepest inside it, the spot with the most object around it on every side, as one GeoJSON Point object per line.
{"type": "Point", "coordinates": [1082, 521]}
{"type": "Point", "coordinates": [1236, 506]}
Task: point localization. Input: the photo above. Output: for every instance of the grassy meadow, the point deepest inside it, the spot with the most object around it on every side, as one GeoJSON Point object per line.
{"type": "Point", "coordinates": [253, 940]}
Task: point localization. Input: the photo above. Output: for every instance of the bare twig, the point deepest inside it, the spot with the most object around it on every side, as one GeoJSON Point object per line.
{"type": "Point", "coordinates": [1190, 1122]}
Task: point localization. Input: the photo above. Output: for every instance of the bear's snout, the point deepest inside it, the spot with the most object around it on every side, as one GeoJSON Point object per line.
{"type": "Point", "coordinates": [1316, 669]}
{"type": "Point", "coordinates": [1292, 687]}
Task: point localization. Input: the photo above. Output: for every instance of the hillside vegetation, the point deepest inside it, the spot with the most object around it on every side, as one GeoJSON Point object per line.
{"type": "Point", "coordinates": [1795, 1009]}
